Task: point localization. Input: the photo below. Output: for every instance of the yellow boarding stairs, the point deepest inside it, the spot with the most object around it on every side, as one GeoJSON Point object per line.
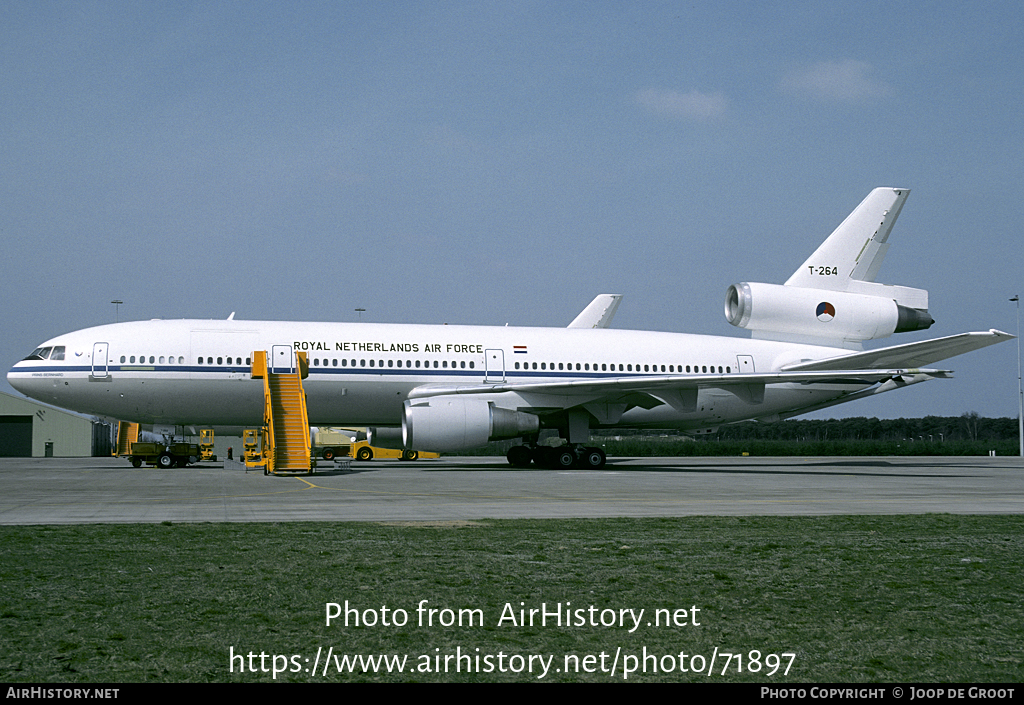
{"type": "Point", "coordinates": [286, 424]}
{"type": "Point", "coordinates": [127, 433]}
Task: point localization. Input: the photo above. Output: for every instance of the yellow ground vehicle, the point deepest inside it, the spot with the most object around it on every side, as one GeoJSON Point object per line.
{"type": "Point", "coordinates": [206, 445]}
{"type": "Point", "coordinates": [361, 450]}
{"type": "Point", "coordinates": [252, 448]}
{"type": "Point", "coordinates": [164, 455]}
{"type": "Point", "coordinates": [331, 443]}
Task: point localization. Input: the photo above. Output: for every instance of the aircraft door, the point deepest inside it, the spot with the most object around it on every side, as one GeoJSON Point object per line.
{"type": "Point", "coordinates": [494, 366]}
{"type": "Point", "coordinates": [282, 359]}
{"type": "Point", "coordinates": [745, 363]}
{"type": "Point", "coordinates": [99, 361]}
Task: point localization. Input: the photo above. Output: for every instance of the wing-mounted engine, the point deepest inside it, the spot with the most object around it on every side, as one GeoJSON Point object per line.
{"type": "Point", "coordinates": [450, 422]}
{"type": "Point", "coordinates": [832, 298]}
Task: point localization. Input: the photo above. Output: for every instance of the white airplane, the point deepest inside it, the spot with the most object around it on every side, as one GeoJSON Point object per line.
{"type": "Point", "coordinates": [448, 387]}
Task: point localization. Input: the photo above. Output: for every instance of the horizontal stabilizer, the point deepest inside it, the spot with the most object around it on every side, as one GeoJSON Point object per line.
{"type": "Point", "coordinates": [909, 355]}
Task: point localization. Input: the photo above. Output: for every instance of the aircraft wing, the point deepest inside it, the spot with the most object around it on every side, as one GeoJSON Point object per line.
{"type": "Point", "coordinates": [909, 355]}
{"type": "Point", "coordinates": [598, 313]}
{"type": "Point", "coordinates": [609, 397]}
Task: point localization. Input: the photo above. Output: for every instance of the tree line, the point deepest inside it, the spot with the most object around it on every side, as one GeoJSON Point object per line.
{"type": "Point", "coordinates": [969, 426]}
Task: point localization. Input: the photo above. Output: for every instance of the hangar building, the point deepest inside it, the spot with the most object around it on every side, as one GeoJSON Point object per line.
{"type": "Point", "coordinates": [29, 429]}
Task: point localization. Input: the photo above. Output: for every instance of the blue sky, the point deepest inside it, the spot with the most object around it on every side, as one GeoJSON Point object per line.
{"type": "Point", "coordinates": [487, 163]}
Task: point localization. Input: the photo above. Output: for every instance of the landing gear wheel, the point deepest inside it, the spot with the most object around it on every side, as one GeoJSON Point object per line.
{"type": "Point", "coordinates": [565, 458]}
{"type": "Point", "coordinates": [410, 455]}
{"type": "Point", "coordinates": [165, 461]}
{"type": "Point", "coordinates": [594, 458]}
{"type": "Point", "coordinates": [364, 453]}
{"type": "Point", "coordinates": [519, 456]}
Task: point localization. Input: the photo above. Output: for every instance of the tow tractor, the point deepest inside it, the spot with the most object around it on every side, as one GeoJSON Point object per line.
{"type": "Point", "coordinates": [164, 455]}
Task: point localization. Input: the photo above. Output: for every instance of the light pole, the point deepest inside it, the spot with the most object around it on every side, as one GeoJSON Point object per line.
{"type": "Point", "coordinates": [117, 310]}
{"type": "Point", "coordinates": [1020, 392]}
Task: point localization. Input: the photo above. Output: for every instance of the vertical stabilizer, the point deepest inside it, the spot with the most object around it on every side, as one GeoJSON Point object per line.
{"type": "Point", "coordinates": [855, 250]}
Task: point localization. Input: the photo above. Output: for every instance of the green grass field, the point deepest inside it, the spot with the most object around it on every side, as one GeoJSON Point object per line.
{"type": "Point", "coordinates": [892, 599]}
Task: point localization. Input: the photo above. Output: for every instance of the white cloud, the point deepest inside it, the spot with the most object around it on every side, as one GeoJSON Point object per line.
{"type": "Point", "coordinates": [831, 80]}
{"type": "Point", "coordinates": [693, 105]}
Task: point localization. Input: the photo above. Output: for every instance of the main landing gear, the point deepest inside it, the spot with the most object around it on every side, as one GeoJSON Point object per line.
{"type": "Point", "coordinates": [570, 456]}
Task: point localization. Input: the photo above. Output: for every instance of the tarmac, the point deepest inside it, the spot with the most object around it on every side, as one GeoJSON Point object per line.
{"type": "Point", "coordinates": [109, 490]}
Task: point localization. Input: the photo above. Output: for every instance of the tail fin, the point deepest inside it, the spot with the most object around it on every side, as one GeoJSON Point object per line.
{"type": "Point", "coordinates": [851, 256]}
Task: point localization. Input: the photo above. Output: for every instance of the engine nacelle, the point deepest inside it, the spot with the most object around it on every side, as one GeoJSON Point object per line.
{"type": "Point", "coordinates": [385, 437]}
{"type": "Point", "coordinates": [797, 313]}
{"type": "Point", "coordinates": [449, 423]}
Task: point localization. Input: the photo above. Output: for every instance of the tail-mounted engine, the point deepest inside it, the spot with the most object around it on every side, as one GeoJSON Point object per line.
{"type": "Point", "coordinates": [818, 315]}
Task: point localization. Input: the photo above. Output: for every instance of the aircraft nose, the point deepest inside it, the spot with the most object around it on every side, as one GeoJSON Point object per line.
{"type": "Point", "coordinates": [22, 380]}
{"type": "Point", "coordinates": [15, 380]}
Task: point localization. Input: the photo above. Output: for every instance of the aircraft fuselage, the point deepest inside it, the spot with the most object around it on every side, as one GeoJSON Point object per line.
{"type": "Point", "coordinates": [197, 372]}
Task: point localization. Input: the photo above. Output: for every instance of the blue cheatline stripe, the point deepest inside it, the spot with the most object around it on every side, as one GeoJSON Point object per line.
{"type": "Point", "coordinates": [351, 371]}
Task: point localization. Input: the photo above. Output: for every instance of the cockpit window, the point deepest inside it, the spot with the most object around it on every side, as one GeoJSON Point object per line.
{"type": "Point", "coordinates": [50, 353]}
